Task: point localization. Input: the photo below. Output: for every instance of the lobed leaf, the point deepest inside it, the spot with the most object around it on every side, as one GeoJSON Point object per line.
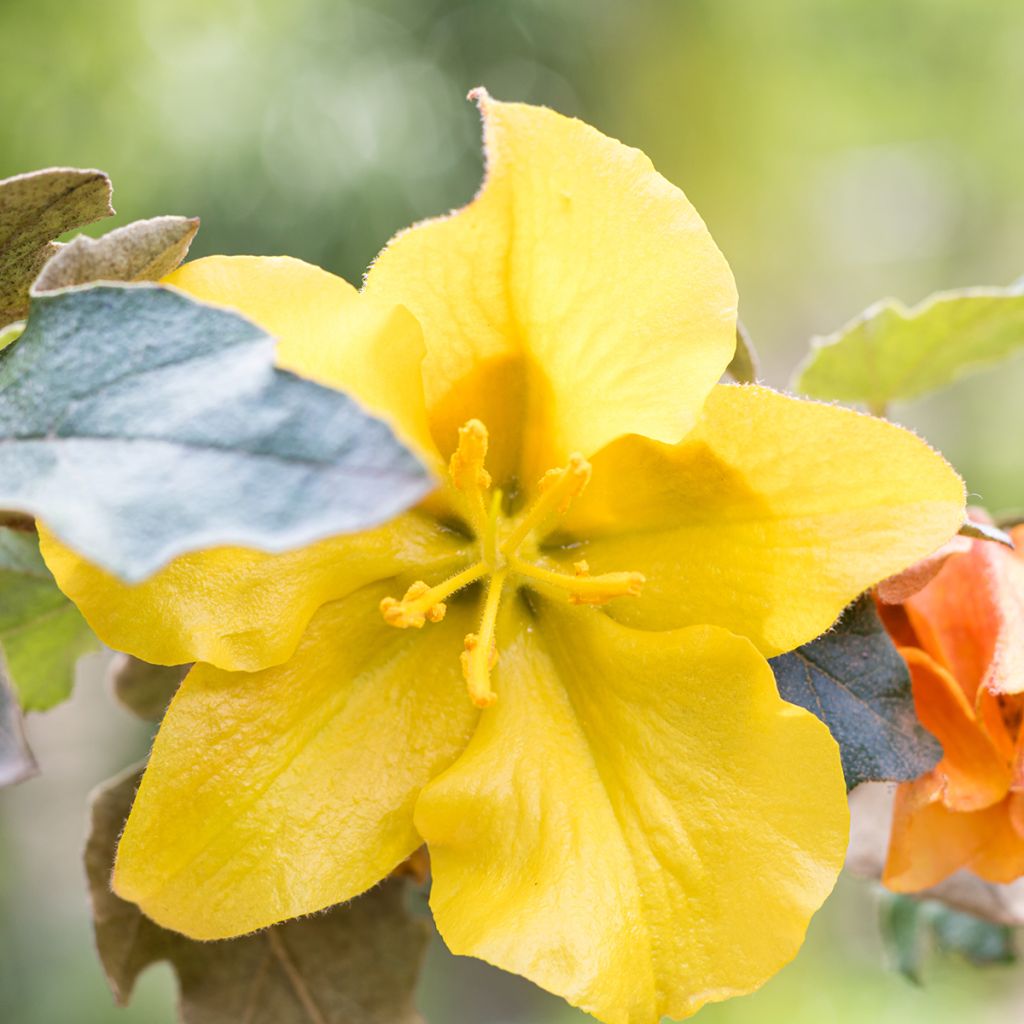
{"type": "Point", "coordinates": [892, 353]}
{"type": "Point", "coordinates": [34, 210]}
{"type": "Point", "coordinates": [42, 634]}
{"type": "Point", "coordinates": [145, 250]}
{"type": "Point", "coordinates": [855, 681]}
{"type": "Point", "coordinates": [140, 424]}
{"type": "Point", "coordinates": [355, 964]}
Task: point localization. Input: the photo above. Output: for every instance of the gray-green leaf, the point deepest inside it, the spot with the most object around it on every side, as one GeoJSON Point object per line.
{"type": "Point", "coordinates": [140, 424]}
{"type": "Point", "coordinates": [34, 210]}
{"type": "Point", "coordinates": [855, 681]}
{"type": "Point", "coordinates": [42, 634]}
{"type": "Point", "coordinates": [355, 964]}
{"type": "Point", "coordinates": [16, 760]}
{"type": "Point", "coordinates": [892, 353]}
{"type": "Point", "coordinates": [145, 689]}
{"type": "Point", "coordinates": [142, 251]}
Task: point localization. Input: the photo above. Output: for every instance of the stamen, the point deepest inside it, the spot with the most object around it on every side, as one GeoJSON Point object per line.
{"type": "Point", "coordinates": [424, 603]}
{"type": "Point", "coordinates": [558, 488]}
{"type": "Point", "coordinates": [582, 587]}
{"type": "Point", "coordinates": [466, 468]}
{"type": "Point", "coordinates": [481, 654]}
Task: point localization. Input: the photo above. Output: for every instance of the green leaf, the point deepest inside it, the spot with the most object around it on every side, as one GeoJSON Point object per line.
{"type": "Point", "coordinates": [981, 942]}
{"type": "Point", "coordinates": [854, 680]}
{"type": "Point", "coordinates": [892, 353]}
{"type": "Point", "coordinates": [140, 424]}
{"type": "Point", "coordinates": [42, 634]}
{"type": "Point", "coordinates": [16, 760]}
{"type": "Point", "coordinates": [355, 964]}
{"type": "Point", "coordinates": [744, 366]}
{"type": "Point", "coordinates": [904, 935]}
{"type": "Point", "coordinates": [145, 689]}
{"type": "Point", "coordinates": [34, 210]}
{"type": "Point", "coordinates": [142, 251]}
{"type": "Point", "coordinates": [11, 333]}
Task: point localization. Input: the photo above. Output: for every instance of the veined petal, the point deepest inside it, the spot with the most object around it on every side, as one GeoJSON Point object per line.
{"type": "Point", "coordinates": [327, 332]}
{"type": "Point", "coordinates": [976, 774]}
{"type": "Point", "coordinates": [640, 823]}
{"type": "Point", "coordinates": [971, 617]}
{"type": "Point", "coordinates": [283, 792]}
{"type": "Point", "coordinates": [768, 519]}
{"type": "Point", "coordinates": [577, 298]}
{"type": "Point", "coordinates": [929, 842]}
{"type": "Point", "coordinates": [236, 608]}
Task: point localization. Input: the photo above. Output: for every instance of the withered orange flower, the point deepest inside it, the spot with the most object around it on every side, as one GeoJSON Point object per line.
{"type": "Point", "coordinates": [962, 636]}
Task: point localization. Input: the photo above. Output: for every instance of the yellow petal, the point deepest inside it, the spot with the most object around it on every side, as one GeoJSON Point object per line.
{"type": "Point", "coordinates": [327, 332]}
{"type": "Point", "coordinates": [286, 791]}
{"type": "Point", "coordinates": [237, 608]}
{"type": "Point", "coordinates": [768, 519]}
{"type": "Point", "coordinates": [640, 824]}
{"type": "Point", "coordinates": [577, 298]}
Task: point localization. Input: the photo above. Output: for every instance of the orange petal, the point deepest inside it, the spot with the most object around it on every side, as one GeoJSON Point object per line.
{"type": "Point", "coordinates": [1001, 859]}
{"type": "Point", "coordinates": [1016, 808]}
{"type": "Point", "coordinates": [929, 842]}
{"type": "Point", "coordinates": [976, 776]}
{"type": "Point", "coordinates": [971, 617]}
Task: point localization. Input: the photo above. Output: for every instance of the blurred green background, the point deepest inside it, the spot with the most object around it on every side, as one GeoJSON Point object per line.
{"type": "Point", "coordinates": [840, 150]}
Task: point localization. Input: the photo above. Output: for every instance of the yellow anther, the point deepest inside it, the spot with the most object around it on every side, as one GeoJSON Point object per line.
{"type": "Point", "coordinates": [558, 487]}
{"type": "Point", "coordinates": [477, 671]}
{"type": "Point", "coordinates": [583, 588]}
{"type": "Point", "coordinates": [481, 653]}
{"type": "Point", "coordinates": [466, 468]}
{"type": "Point", "coordinates": [423, 603]}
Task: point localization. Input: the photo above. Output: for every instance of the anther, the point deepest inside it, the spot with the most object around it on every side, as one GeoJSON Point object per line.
{"type": "Point", "coordinates": [558, 488]}
{"type": "Point", "coordinates": [423, 603]}
{"type": "Point", "coordinates": [466, 468]}
{"type": "Point", "coordinates": [476, 668]}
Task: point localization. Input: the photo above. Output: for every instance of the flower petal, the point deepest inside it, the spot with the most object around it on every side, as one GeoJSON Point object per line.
{"type": "Point", "coordinates": [976, 775]}
{"type": "Point", "coordinates": [971, 617]}
{"type": "Point", "coordinates": [577, 298]}
{"type": "Point", "coordinates": [236, 608]}
{"type": "Point", "coordinates": [640, 824]}
{"type": "Point", "coordinates": [768, 519]}
{"type": "Point", "coordinates": [286, 791]}
{"type": "Point", "coordinates": [327, 332]}
{"type": "Point", "coordinates": [929, 842]}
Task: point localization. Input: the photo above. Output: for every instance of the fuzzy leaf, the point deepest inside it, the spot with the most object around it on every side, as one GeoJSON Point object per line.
{"type": "Point", "coordinates": [142, 251]}
{"type": "Point", "coordinates": [854, 680]}
{"type": "Point", "coordinates": [355, 964]}
{"type": "Point", "coordinates": [140, 424]}
{"type": "Point", "coordinates": [34, 210]}
{"type": "Point", "coordinates": [16, 760]}
{"type": "Point", "coordinates": [145, 689]}
{"type": "Point", "coordinates": [891, 353]}
{"type": "Point", "coordinates": [42, 634]}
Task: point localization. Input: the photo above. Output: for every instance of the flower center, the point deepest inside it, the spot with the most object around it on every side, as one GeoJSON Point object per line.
{"type": "Point", "coordinates": [509, 555]}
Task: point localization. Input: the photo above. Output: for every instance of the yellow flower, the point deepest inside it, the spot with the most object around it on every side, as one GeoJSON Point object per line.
{"type": "Point", "coordinates": [620, 808]}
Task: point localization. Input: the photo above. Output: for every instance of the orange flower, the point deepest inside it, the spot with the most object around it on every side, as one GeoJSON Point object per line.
{"type": "Point", "coordinates": [962, 636]}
